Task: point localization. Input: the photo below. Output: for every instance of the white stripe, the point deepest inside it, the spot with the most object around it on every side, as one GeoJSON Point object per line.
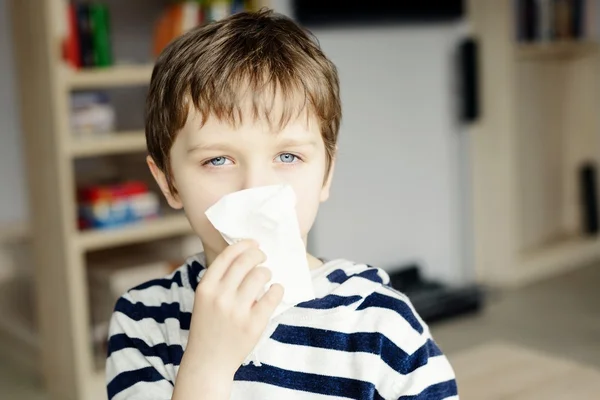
{"type": "Point", "coordinates": [313, 360]}
{"type": "Point", "coordinates": [161, 390]}
{"type": "Point", "coordinates": [386, 291]}
{"type": "Point", "coordinates": [131, 359]}
{"type": "Point", "coordinates": [260, 391]}
{"type": "Point", "coordinates": [149, 330]}
{"type": "Point", "coordinates": [437, 370]}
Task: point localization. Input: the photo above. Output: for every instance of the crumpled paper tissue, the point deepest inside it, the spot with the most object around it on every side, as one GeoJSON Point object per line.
{"type": "Point", "coordinates": [267, 215]}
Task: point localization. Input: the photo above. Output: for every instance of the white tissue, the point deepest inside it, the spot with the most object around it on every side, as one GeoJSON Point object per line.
{"type": "Point", "coordinates": [268, 215]}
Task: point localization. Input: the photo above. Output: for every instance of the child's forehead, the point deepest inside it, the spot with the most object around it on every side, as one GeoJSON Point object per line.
{"type": "Point", "coordinates": [274, 111]}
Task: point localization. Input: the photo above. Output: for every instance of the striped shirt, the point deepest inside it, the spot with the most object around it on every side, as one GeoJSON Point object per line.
{"type": "Point", "coordinates": [360, 339]}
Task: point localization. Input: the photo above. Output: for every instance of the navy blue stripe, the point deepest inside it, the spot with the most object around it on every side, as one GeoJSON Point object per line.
{"type": "Point", "coordinates": [194, 270]}
{"type": "Point", "coordinates": [364, 342]}
{"type": "Point", "coordinates": [382, 301]}
{"type": "Point", "coordinates": [139, 311]}
{"type": "Point", "coordinates": [340, 276]}
{"type": "Point", "coordinates": [441, 390]}
{"type": "Point", "coordinates": [169, 354]}
{"type": "Point", "coordinates": [311, 383]}
{"type": "Point", "coordinates": [330, 301]}
{"type": "Point", "coordinates": [127, 379]}
{"type": "Point", "coordinates": [166, 283]}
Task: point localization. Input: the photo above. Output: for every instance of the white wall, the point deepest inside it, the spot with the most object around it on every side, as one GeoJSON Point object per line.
{"type": "Point", "coordinates": [397, 191]}
{"type": "Point", "coordinates": [13, 199]}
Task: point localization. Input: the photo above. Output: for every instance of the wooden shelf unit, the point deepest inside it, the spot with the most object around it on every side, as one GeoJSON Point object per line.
{"type": "Point", "coordinates": [539, 124]}
{"type": "Point", "coordinates": [66, 358]}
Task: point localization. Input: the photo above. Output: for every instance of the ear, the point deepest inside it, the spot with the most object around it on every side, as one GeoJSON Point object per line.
{"type": "Point", "coordinates": [161, 180]}
{"type": "Point", "coordinates": [327, 185]}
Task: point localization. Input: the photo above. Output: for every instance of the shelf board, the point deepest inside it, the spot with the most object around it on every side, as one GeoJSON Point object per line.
{"type": "Point", "coordinates": [556, 50]}
{"type": "Point", "coordinates": [557, 257]}
{"type": "Point", "coordinates": [160, 228]}
{"type": "Point", "coordinates": [106, 144]}
{"type": "Point", "coordinates": [14, 231]}
{"type": "Point", "coordinates": [98, 78]}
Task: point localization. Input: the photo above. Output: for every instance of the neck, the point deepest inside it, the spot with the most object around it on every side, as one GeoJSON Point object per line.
{"type": "Point", "coordinates": [313, 262]}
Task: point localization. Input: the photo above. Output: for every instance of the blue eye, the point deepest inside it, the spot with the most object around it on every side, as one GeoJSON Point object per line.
{"type": "Point", "coordinates": [218, 161]}
{"type": "Point", "coordinates": [287, 158]}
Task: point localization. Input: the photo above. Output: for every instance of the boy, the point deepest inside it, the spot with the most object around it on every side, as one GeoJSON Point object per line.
{"type": "Point", "coordinates": [245, 102]}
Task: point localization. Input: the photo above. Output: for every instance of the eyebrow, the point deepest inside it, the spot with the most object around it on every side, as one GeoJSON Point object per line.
{"type": "Point", "coordinates": [207, 147]}
{"type": "Point", "coordinates": [297, 143]}
{"type": "Point", "coordinates": [289, 142]}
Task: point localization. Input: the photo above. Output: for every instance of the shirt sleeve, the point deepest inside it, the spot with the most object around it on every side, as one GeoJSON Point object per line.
{"type": "Point", "coordinates": [136, 365]}
{"type": "Point", "coordinates": [427, 374]}
{"type": "Point", "coordinates": [421, 370]}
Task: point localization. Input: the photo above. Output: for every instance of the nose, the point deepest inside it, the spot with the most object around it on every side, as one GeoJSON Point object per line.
{"type": "Point", "coordinates": [259, 175]}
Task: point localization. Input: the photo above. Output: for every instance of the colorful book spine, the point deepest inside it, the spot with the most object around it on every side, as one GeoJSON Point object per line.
{"type": "Point", "coordinates": [72, 50]}
{"type": "Point", "coordinates": [549, 20]}
{"type": "Point", "coordinates": [84, 29]}
{"type": "Point", "coordinates": [100, 27]}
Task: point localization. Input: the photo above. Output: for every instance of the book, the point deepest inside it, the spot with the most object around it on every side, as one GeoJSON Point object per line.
{"type": "Point", "coordinates": [551, 20]}
{"type": "Point", "coordinates": [84, 30]}
{"type": "Point", "coordinates": [72, 50]}
{"type": "Point", "coordinates": [545, 20]}
{"type": "Point", "coordinates": [100, 31]}
{"type": "Point", "coordinates": [176, 20]}
{"type": "Point", "coordinates": [564, 20]}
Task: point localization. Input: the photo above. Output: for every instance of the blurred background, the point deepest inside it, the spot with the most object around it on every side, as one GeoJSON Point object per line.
{"type": "Point", "coordinates": [467, 169]}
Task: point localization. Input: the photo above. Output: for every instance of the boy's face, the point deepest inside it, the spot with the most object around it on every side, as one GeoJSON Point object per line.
{"type": "Point", "coordinates": [209, 162]}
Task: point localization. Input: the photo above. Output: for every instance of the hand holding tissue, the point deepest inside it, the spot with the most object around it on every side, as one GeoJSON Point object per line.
{"type": "Point", "coordinates": [268, 215]}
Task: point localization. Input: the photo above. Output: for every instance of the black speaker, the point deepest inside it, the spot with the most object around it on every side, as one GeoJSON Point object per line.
{"type": "Point", "coordinates": [589, 198]}
{"type": "Point", "coordinates": [469, 80]}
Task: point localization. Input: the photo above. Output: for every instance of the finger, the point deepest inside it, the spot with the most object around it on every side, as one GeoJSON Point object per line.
{"type": "Point", "coordinates": [220, 265]}
{"type": "Point", "coordinates": [240, 267]}
{"type": "Point", "coordinates": [253, 286]}
{"type": "Point", "coordinates": [264, 308]}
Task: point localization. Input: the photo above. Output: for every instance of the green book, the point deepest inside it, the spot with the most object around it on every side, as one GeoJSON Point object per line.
{"type": "Point", "coordinates": [99, 18]}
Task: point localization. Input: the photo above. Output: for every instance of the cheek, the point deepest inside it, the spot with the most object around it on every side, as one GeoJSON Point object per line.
{"type": "Point", "coordinates": [307, 205]}
{"type": "Point", "coordinates": [197, 196]}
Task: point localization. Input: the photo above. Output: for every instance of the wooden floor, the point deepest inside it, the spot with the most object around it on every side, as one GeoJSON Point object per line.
{"type": "Point", "coordinates": [497, 371]}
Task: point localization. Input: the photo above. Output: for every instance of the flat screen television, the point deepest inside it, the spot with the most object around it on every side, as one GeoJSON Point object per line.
{"type": "Point", "coordinates": [360, 12]}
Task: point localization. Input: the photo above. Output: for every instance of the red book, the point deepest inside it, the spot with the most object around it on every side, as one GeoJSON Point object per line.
{"type": "Point", "coordinates": [72, 48]}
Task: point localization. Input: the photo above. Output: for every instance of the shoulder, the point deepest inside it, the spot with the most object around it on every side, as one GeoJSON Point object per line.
{"type": "Point", "coordinates": [157, 300]}
{"type": "Point", "coordinates": [145, 343]}
{"type": "Point", "coordinates": [414, 362]}
{"type": "Point", "coordinates": [380, 305]}
{"type": "Point", "coordinates": [410, 359]}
